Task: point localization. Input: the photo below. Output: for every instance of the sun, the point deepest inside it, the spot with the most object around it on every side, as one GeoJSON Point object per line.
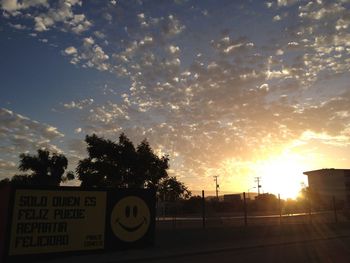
{"type": "Point", "coordinates": [282, 175]}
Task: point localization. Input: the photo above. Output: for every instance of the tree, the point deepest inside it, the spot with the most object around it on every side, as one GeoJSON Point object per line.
{"type": "Point", "coordinates": [171, 189]}
{"type": "Point", "coordinates": [103, 166]}
{"type": "Point", "coordinates": [4, 181]}
{"type": "Point", "coordinates": [45, 169]}
{"type": "Point", "coordinates": [304, 192]}
{"type": "Point", "coordinates": [119, 164]}
{"type": "Point", "coordinates": [149, 166]}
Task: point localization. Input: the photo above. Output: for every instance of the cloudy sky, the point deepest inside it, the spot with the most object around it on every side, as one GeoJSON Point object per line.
{"type": "Point", "coordinates": [237, 89]}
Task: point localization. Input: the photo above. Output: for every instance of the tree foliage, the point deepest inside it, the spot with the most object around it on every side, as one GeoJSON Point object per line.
{"type": "Point", "coordinates": [46, 169]}
{"type": "Point", "coordinates": [171, 189]}
{"type": "Point", "coordinates": [109, 164]}
{"type": "Point", "coordinates": [120, 164]}
{"type": "Point", "coordinates": [149, 166]}
{"type": "Point", "coordinates": [4, 181]}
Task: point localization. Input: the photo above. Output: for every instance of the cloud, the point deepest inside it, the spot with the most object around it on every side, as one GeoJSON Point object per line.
{"type": "Point", "coordinates": [99, 34]}
{"type": "Point", "coordinates": [62, 13]}
{"type": "Point", "coordinates": [239, 98]}
{"type": "Point", "coordinates": [6, 165]}
{"type": "Point", "coordinates": [205, 95]}
{"type": "Point", "coordinates": [19, 134]}
{"type": "Point", "coordinates": [49, 15]}
{"type": "Point", "coordinates": [282, 3]}
{"type": "Point", "coordinates": [14, 5]}
{"type": "Point", "coordinates": [91, 55]}
{"type": "Point", "coordinates": [277, 18]}
{"type": "Point", "coordinates": [172, 26]}
{"type": "Point", "coordinates": [213, 110]}
{"type": "Point", "coordinates": [70, 50]}
{"type": "Point", "coordinates": [80, 104]}
{"type": "Point", "coordinates": [18, 26]}
{"type": "Point", "coordinates": [78, 130]}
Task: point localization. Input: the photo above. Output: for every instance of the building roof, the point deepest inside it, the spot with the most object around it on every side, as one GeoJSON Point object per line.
{"type": "Point", "coordinates": [324, 171]}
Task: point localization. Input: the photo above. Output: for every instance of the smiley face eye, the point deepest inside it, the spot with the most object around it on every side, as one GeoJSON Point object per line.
{"type": "Point", "coordinates": [134, 211]}
{"type": "Point", "coordinates": [127, 211]}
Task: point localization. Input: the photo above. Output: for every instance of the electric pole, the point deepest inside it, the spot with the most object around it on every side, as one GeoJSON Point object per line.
{"type": "Point", "coordinates": [257, 180]}
{"type": "Point", "coordinates": [216, 186]}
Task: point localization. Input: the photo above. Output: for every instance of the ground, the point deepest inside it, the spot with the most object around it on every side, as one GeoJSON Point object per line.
{"type": "Point", "coordinates": [269, 243]}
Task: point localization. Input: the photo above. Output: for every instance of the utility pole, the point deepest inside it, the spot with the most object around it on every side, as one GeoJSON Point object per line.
{"type": "Point", "coordinates": [203, 209]}
{"type": "Point", "coordinates": [216, 186]}
{"type": "Point", "coordinates": [257, 180]}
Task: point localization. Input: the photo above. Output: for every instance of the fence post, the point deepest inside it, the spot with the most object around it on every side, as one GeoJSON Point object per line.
{"type": "Point", "coordinates": [174, 215]}
{"type": "Point", "coordinates": [245, 209]}
{"type": "Point", "coordinates": [280, 208]}
{"type": "Point", "coordinates": [159, 208]}
{"type": "Point", "coordinates": [203, 209]}
{"type": "Point", "coordinates": [335, 209]}
{"type": "Point", "coordinates": [310, 210]}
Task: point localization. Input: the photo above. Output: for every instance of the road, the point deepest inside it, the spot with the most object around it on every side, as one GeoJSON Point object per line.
{"type": "Point", "coordinates": [238, 220]}
{"type": "Point", "coordinates": [335, 250]}
{"type": "Point", "coordinates": [239, 217]}
{"type": "Point", "coordinates": [281, 243]}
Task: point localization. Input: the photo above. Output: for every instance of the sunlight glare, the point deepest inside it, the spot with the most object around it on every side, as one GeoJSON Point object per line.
{"type": "Point", "coordinates": [282, 175]}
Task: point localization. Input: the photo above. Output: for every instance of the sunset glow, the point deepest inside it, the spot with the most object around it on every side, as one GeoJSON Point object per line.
{"type": "Point", "coordinates": [282, 175]}
{"type": "Point", "coordinates": [235, 89]}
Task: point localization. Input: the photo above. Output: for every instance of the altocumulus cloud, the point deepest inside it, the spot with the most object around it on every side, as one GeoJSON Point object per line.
{"type": "Point", "coordinates": [203, 93]}
{"type": "Point", "coordinates": [19, 134]}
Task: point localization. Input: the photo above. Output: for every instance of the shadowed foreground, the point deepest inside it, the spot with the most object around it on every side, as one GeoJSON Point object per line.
{"type": "Point", "coordinates": [315, 250]}
{"type": "Point", "coordinates": [286, 243]}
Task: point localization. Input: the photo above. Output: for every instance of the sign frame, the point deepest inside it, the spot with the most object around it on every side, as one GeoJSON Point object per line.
{"type": "Point", "coordinates": [110, 243]}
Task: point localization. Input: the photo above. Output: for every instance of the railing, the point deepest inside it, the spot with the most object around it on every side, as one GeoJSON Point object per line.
{"type": "Point", "coordinates": [202, 213]}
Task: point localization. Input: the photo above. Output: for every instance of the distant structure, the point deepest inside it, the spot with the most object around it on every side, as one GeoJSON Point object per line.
{"type": "Point", "coordinates": [327, 183]}
{"type": "Point", "coordinates": [232, 198]}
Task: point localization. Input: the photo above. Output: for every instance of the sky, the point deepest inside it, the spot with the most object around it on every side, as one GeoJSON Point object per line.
{"type": "Point", "coordinates": [238, 89]}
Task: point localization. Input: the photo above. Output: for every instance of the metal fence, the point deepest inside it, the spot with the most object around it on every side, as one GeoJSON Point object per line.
{"type": "Point", "coordinates": [200, 212]}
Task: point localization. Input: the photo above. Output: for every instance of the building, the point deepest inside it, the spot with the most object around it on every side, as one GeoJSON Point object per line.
{"type": "Point", "coordinates": [326, 183]}
{"type": "Point", "coordinates": [232, 198]}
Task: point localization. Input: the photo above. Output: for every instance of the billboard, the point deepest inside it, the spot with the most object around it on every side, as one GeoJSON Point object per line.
{"type": "Point", "coordinates": [68, 219]}
{"type": "Point", "coordinates": [45, 221]}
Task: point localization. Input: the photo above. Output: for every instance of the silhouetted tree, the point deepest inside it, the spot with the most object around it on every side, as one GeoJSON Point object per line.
{"type": "Point", "coordinates": [102, 167]}
{"type": "Point", "coordinates": [170, 189]}
{"type": "Point", "coordinates": [21, 180]}
{"type": "Point", "coordinates": [45, 169]}
{"type": "Point", "coordinates": [4, 181]}
{"type": "Point", "coordinates": [119, 164]}
{"type": "Point", "coordinates": [149, 166]}
{"type": "Point", "coordinates": [192, 205]}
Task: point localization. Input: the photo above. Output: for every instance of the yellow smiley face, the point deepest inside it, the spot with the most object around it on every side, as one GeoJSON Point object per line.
{"type": "Point", "coordinates": [130, 219]}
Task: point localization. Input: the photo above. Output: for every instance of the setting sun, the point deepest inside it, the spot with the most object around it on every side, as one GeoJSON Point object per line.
{"type": "Point", "coordinates": [281, 175]}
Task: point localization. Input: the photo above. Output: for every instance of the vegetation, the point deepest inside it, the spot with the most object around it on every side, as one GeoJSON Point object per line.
{"type": "Point", "coordinates": [170, 189]}
{"type": "Point", "coordinates": [109, 164]}
{"type": "Point", "coordinates": [45, 169]}
{"type": "Point", "coordinates": [120, 164]}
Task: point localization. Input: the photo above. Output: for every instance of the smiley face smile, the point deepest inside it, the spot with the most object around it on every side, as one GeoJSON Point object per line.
{"type": "Point", "coordinates": [132, 229]}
